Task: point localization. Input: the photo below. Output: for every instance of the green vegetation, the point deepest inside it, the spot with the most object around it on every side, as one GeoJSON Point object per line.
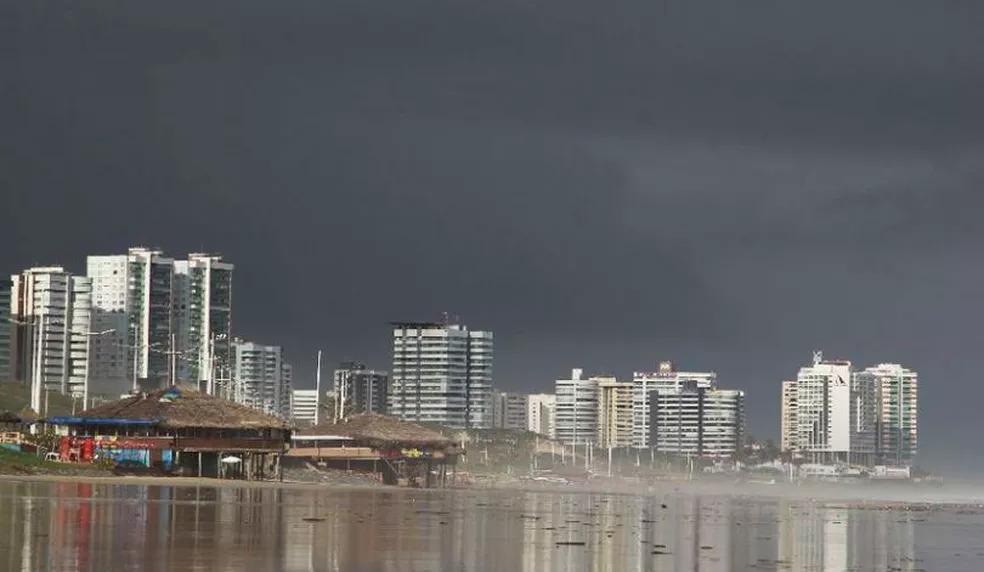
{"type": "Point", "coordinates": [17, 463]}
{"type": "Point", "coordinates": [15, 397]}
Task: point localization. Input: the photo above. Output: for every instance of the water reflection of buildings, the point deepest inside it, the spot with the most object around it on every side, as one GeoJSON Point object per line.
{"type": "Point", "coordinates": [76, 526]}
{"type": "Point", "coordinates": [81, 526]}
{"type": "Point", "coordinates": [837, 539]}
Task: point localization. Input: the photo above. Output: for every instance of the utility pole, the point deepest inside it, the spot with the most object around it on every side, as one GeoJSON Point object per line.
{"type": "Point", "coordinates": [37, 376]}
{"type": "Point", "coordinates": [210, 384]}
{"type": "Point", "coordinates": [174, 363]}
{"type": "Point", "coordinates": [135, 348]}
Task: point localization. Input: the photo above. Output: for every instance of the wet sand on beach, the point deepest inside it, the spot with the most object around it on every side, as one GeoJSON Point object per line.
{"type": "Point", "coordinates": [124, 523]}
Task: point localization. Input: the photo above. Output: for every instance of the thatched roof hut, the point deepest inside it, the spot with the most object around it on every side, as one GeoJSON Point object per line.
{"type": "Point", "coordinates": [381, 431]}
{"type": "Point", "coordinates": [176, 408]}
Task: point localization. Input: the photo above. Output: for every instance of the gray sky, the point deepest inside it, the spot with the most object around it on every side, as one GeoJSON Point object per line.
{"type": "Point", "coordinates": [729, 184]}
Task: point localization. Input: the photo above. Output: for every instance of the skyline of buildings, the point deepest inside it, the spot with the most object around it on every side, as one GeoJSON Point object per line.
{"type": "Point", "coordinates": [667, 411]}
{"type": "Point", "coordinates": [151, 318]}
{"type": "Point", "coordinates": [833, 413]}
{"type": "Point", "coordinates": [139, 320]}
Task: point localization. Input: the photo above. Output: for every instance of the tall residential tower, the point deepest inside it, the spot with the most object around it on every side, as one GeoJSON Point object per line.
{"type": "Point", "coordinates": [665, 379]}
{"type": "Point", "coordinates": [896, 391]}
{"type": "Point", "coordinates": [50, 308]}
{"type": "Point", "coordinates": [261, 378]}
{"type": "Point", "coordinates": [132, 294]}
{"type": "Point", "coordinates": [576, 416]}
{"type": "Point", "coordinates": [442, 373]}
{"type": "Point", "coordinates": [834, 413]}
{"type": "Point", "coordinates": [203, 319]}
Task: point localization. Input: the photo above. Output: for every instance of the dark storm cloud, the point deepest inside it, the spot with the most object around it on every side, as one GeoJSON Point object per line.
{"type": "Point", "coordinates": [726, 183]}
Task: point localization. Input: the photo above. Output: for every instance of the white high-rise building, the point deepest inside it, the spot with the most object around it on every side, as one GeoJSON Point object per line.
{"type": "Point", "coordinates": [132, 294]}
{"type": "Point", "coordinates": [835, 413]}
{"type": "Point", "coordinates": [203, 319]}
{"type": "Point", "coordinates": [696, 420]}
{"type": "Point", "coordinates": [304, 404]}
{"type": "Point", "coordinates": [541, 414]}
{"type": "Point", "coordinates": [510, 410]}
{"type": "Point", "coordinates": [261, 378]}
{"type": "Point", "coordinates": [896, 391]}
{"type": "Point", "coordinates": [80, 338]}
{"type": "Point", "coordinates": [50, 308]}
{"type": "Point", "coordinates": [665, 379]}
{"type": "Point", "coordinates": [576, 417]}
{"type": "Point", "coordinates": [442, 373]}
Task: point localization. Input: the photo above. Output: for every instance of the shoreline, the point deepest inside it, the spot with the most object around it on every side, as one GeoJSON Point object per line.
{"type": "Point", "coordinates": [904, 497]}
{"type": "Point", "coordinates": [196, 482]}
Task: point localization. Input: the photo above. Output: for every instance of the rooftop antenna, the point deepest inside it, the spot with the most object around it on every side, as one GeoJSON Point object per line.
{"type": "Point", "coordinates": [817, 357]}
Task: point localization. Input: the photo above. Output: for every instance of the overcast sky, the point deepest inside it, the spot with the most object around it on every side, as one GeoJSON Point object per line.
{"type": "Point", "coordinates": [727, 184]}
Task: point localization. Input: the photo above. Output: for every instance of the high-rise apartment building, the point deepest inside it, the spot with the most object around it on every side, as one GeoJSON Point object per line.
{"type": "Point", "coordinates": [665, 379]}
{"type": "Point", "coordinates": [80, 337]}
{"type": "Point", "coordinates": [835, 413]}
{"type": "Point", "coordinates": [541, 411]}
{"type": "Point", "coordinates": [442, 373]}
{"type": "Point", "coordinates": [203, 319]}
{"type": "Point", "coordinates": [576, 417]}
{"type": "Point", "coordinates": [360, 389]}
{"type": "Point", "coordinates": [133, 295]}
{"type": "Point", "coordinates": [304, 405]}
{"type": "Point", "coordinates": [696, 420]}
{"type": "Point", "coordinates": [50, 308]}
{"type": "Point", "coordinates": [261, 378]}
{"type": "Point", "coordinates": [896, 390]}
{"type": "Point", "coordinates": [788, 409]}
{"type": "Point", "coordinates": [615, 418]}
{"type": "Point", "coordinates": [509, 410]}
{"type": "Point", "coordinates": [6, 332]}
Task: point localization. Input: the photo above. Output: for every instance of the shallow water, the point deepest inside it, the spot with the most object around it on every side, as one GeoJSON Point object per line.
{"type": "Point", "coordinates": [79, 526]}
